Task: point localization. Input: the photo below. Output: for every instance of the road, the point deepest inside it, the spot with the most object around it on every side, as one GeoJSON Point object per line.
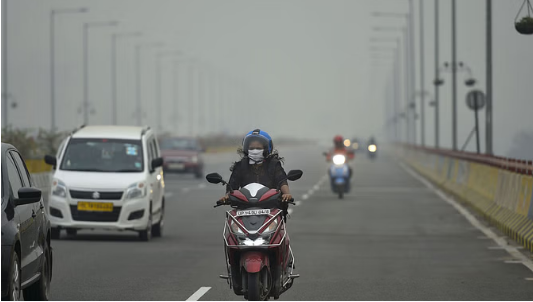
{"type": "Point", "coordinates": [392, 238]}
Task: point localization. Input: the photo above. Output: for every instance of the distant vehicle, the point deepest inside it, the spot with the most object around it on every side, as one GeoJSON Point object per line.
{"type": "Point", "coordinates": [182, 154]}
{"type": "Point", "coordinates": [372, 148]}
{"type": "Point", "coordinates": [109, 178]}
{"type": "Point", "coordinates": [357, 145]}
{"type": "Point", "coordinates": [26, 232]}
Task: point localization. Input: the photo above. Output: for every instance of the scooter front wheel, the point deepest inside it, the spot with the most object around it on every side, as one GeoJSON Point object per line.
{"type": "Point", "coordinates": [255, 287]}
{"type": "Point", "coordinates": [340, 189]}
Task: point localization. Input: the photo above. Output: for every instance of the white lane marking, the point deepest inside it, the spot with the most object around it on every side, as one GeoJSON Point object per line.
{"type": "Point", "coordinates": [198, 294]}
{"type": "Point", "coordinates": [513, 262]}
{"type": "Point", "coordinates": [305, 196]}
{"type": "Point", "coordinates": [169, 194]}
{"type": "Point", "coordinates": [316, 187]}
{"type": "Point", "coordinates": [297, 203]}
{"type": "Point", "coordinates": [529, 279]}
{"type": "Point", "coordinates": [201, 186]}
{"type": "Point", "coordinates": [473, 220]}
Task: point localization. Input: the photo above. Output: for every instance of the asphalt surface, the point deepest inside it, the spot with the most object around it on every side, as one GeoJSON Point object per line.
{"type": "Point", "coordinates": [391, 238]}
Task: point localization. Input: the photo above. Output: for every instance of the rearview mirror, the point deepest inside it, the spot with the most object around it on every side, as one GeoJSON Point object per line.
{"type": "Point", "coordinates": [294, 175]}
{"type": "Point", "coordinates": [214, 178]}
{"type": "Point", "coordinates": [157, 162]}
{"type": "Point", "coordinates": [50, 159]}
{"type": "Point", "coordinates": [28, 195]}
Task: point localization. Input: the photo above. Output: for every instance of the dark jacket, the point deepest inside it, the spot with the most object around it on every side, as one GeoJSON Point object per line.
{"type": "Point", "coordinates": [270, 174]}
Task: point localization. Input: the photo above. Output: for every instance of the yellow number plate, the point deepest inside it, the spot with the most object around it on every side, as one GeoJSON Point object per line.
{"type": "Point", "coordinates": [95, 206]}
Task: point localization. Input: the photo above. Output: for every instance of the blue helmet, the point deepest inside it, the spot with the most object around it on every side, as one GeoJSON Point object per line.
{"type": "Point", "coordinates": [258, 135]}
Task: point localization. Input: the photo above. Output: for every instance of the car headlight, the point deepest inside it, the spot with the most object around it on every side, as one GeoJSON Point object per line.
{"type": "Point", "coordinates": [235, 228]}
{"type": "Point", "coordinates": [194, 159]}
{"type": "Point", "coordinates": [372, 148]}
{"type": "Point", "coordinates": [136, 190]}
{"type": "Point", "coordinates": [339, 159]}
{"type": "Point", "coordinates": [59, 188]}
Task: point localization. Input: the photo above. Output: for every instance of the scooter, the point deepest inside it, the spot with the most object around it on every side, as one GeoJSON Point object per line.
{"type": "Point", "coordinates": [372, 151]}
{"type": "Point", "coordinates": [259, 259]}
{"type": "Point", "coordinates": [339, 174]}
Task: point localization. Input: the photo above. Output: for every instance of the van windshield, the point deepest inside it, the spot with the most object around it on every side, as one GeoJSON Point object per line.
{"type": "Point", "coordinates": [103, 155]}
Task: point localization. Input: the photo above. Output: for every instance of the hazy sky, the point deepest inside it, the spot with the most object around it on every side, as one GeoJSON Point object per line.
{"type": "Point", "coordinates": [306, 65]}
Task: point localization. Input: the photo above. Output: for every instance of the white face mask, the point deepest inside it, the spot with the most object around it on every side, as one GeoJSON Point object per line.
{"type": "Point", "coordinates": [255, 156]}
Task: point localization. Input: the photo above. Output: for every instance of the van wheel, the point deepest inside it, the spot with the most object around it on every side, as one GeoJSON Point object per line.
{"type": "Point", "coordinates": [56, 233]}
{"type": "Point", "coordinates": [40, 290]}
{"type": "Point", "coordinates": [146, 234]}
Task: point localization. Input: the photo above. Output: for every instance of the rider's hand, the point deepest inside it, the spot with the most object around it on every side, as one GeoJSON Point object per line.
{"type": "Point", "coordinates": [225, 198]}
{"type": "Point", "coordinates": [286, 197]}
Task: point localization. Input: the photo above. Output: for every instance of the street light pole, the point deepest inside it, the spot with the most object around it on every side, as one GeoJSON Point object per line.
{"type": "Point", "coordinates": [114, 39]}
{"type": "Point", "coordinates": [437, 75]}
{"type": "Point", "coordinates": [159, 87]}
{"type": "Point", "coordinates": [412, 63]}
{"type": "Point", "coordinates": [422, 100]}
{"type": "Point", "coordinates": [86, 27]}
{"type": "Point", "coordinates": [53, 14]}
{"type": "Point", "coordinates": [488, 111]}
{"type": "Point", "coordinates": [5, 92]}
{"type": "Point", "coordinates": [454, 78]}
{"type": "Point", "coordinates": [138, 105]}
{"type": "Point", "coordinates": [138, 83]}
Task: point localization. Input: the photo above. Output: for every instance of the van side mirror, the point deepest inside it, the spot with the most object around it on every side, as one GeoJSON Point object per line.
{"type": "Point", "coordinates": [28, 195]}
{"type": "Point", "coordinates": [50, 160]}
{"type": "Point", "coordinates": [294, 175]}
{"type": "Point", "coordinates": [157, 162]}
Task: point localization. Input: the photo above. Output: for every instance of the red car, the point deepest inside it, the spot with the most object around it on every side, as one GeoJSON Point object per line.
{"type": "Point", "coordinates": [182, 154]}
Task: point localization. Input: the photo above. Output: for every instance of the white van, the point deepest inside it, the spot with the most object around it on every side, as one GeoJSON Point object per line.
{"type": "Point", "coordinates": [108, 177]}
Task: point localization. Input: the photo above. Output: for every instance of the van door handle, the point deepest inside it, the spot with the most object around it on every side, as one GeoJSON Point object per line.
{"type": "Point", "coordinates": [42, 206]}
{"type": "Point", "coordinates": [33, 215]}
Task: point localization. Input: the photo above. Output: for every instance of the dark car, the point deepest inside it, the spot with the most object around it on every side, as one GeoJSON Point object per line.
{"type": "Point", "coordinates": [26, 250]}
{"type": "Point", "coordinates": [182, 154]}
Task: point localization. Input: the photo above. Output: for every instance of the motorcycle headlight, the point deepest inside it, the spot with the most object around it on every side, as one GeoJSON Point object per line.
{"type": "Point", "coordinates": [59, 188]}
{"type": "Point", "coordinates": [271, 227]}
{"type": "Point", "coordinates": [339, 159]}
{"type": "Point", "coordinates": [235, 228]}
{"type": "Point", "coordinates": [136, 190]}
{"type": "Point", "coordinates": [372, 148]}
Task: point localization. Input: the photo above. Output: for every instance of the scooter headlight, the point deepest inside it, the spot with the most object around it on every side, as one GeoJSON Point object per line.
{"type": "Point", "coordinates": [235, 228]}
{"type": "Point", "coordinates": [372, 148]}
{"type": "Point", "coordinates": [339, 159]}
{"type": "Point", "coordinates": [272, 227]}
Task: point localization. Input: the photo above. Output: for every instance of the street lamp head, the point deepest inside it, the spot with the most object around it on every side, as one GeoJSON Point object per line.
{"type": "Point", "coordinates": [438, 82]}
{"type": "Point", "coordinates": [470, 82]}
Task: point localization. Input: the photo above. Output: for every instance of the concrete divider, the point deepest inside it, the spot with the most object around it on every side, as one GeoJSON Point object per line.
{"type": "Point", "coordinates": [499, 189]}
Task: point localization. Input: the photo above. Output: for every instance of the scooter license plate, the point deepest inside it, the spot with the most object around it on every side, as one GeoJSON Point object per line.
{"type": "Point", "coordinates": [253, 212]}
